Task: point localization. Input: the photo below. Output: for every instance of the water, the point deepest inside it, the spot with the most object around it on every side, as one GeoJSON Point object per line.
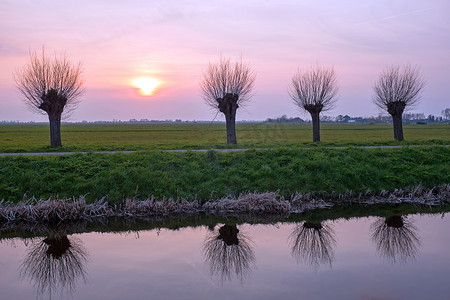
{"type": "Point", "coordinates": [367, 258]}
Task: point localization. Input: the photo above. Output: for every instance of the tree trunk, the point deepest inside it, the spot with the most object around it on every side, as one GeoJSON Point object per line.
{"type": "Point", "coordinates": [55, 129]}
{"type": "Point", "coordinates": [53, 104]}
{"type": "Point", "coordinates": [395, 109]}
{"type": "Point", "coordinates": [228, 106]}
{"type": "Point", "coordinates": [394, 221]}
{"type": "Point", "coordinates": [231, 128]}
{"type": "Point", "coordinates": [229, 234]}
{"type": "Point", "coordinates": [316, 126]}
{"type": "Point", "coordinates": [314, 110]}
{"type": "Point", "coordinates": [398, 126]}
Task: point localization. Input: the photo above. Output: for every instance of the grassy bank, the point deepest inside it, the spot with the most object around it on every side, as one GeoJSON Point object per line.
{"type": "Point", "coordinates": [209, 175]}
{"type": "Point", "coordinates": [95, 137]}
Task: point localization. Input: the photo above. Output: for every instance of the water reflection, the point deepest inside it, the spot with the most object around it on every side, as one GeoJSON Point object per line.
{"type": "Point", "coordinates": [54, 263]}
{"type": "Point", "coordinates": [314, 243]}
{"type": "Point", "coordinates": [228, 253]}
{"type": "Point", "coordinates": [396, 238]}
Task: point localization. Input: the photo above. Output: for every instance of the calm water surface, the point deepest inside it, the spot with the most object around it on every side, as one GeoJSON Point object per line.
{"type": "Point", "coordinates": [368, 258]}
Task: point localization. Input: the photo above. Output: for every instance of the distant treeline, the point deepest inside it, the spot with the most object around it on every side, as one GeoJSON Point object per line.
{"type": "Point", "coordinates": [409, 118]}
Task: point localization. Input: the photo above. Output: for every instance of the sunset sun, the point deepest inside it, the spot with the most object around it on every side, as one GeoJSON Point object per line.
{"type": "Point", "coordinates": [146, 85]}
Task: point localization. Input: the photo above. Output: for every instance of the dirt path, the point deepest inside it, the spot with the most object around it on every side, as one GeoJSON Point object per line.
{"type": "Point", "coordinates": [59, 153]}
{"type": "Point", "coordinates": [203, 150]}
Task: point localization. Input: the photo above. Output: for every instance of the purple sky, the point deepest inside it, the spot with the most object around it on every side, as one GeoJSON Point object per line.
{"type": "Point", "coordinates": [173, 41]}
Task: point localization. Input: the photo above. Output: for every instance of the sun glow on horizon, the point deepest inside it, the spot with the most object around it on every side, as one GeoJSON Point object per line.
{"type": "Point", "coordinates": [146, 85]}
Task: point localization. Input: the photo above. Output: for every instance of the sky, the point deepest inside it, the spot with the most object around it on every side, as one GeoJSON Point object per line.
{"type": "Point", "coordinates": [173, 42]}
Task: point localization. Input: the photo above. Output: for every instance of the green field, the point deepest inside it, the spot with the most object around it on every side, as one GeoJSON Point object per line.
{"type": "Point", "coordinates": [286, 167]}
{"type": "Point", "coordinates": [203, 176]}
{"type": "Point", "coordinates": [95, 137]}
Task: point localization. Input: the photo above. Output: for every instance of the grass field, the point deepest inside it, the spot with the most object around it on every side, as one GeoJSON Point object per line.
{"type": "Point", "coordinates": [203, 176]}
{"type": "Point", "coordinates": [286, 168]}
{"type": "Point", "coordinates": [95, 137]}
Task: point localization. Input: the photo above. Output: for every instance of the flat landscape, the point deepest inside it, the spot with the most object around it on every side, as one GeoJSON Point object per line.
{"type": "Point", "coordinates": [236, 150]}
{"type": "Point", "coordinates": [98, 137]}
{"type": "Point", "coordinates": [290, 164]}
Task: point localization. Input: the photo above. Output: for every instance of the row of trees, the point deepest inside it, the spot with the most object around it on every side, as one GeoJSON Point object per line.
{"type": "Point", "coordinates": [53, 85]}
{"type": "Point", "coordinates": [312, 89]}
{"type": "Point", "coordinates": [57, 262]}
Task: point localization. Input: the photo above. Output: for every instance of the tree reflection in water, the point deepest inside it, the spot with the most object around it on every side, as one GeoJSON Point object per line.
{"type": "Point", "coordinates": [314, 243]}
{"type": "Point", "coordinates": [54, 263]}
{"type": "Point", "coordinates": [396, 238]}
{"type": "Point", "coordinates": [228, 252]}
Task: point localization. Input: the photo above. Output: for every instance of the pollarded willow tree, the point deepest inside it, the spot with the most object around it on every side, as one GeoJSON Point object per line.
{"type": "Point", "coordinates": [225, 87]}
{"type": "Point", "coordinates": [229, 253]}
{"type": "Point", "coordinates": [396, 238]}
{"type": "Point", "coordinates": [314, 90]}
{"type": "Point", "coordinates": [55, 263]}
{"type": "Point", "coordinates": [396, 90]}
{"type": "Point", "coordinates": [314, 243]}
{"type": "Point", "coordinates": [52, 86]}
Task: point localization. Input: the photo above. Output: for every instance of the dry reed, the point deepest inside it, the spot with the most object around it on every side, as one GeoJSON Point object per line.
{"type": "Point", "coordinates": [57, 210]}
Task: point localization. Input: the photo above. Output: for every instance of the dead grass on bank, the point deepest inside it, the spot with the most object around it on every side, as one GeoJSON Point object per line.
{"type": "Point", "coordinates": [417, 195]}
{"type": "Point", "coordinates": [61, 210]}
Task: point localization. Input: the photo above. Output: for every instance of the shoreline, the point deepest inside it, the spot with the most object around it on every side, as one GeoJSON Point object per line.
{"type": "Point", "coordinates": [251, 204]}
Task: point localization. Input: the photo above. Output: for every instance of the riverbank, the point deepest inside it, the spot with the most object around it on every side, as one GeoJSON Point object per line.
{"type": "Point", "coordinates": [200, 177]}
{"type": "Point", "coordinates": [249, 204]}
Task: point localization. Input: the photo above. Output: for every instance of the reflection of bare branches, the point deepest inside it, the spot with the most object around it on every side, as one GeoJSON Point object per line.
{"type": "Point", "coordinates": [228, 252]}
{"type": "Point", "coordinates": [55, 262]}
{"type": "Point", "coordinates": [313, 243]}
{"type": "Point", "coordinates": [396, 238]}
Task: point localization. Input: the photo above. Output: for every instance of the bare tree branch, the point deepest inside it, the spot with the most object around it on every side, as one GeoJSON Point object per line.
{"type": "Point", "coordinates": [316, 86]}
{"type": "Point", "coordinates": [224, 77]}
{"type": "Point", "coordinates": [398, 84]}
{"type": "Point", "coordinates": [44, 73]}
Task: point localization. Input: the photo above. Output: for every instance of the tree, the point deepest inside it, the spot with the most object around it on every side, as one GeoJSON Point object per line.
{"type": "Point", "coordinates": [228, 252]}
{"type": "Point", "coordinates": [52, 86]}
{"type": "Point", "coordinates": [225, 87]}
{"type": "Point", "coordinates": [314, 243]}
{"type": "Point", "coordinates": [55, 263]}
{"type": "Point", "coordinates": [396, 238]}
{"type": "Point", "coordinates": [446, 113]}
{"type": "Point", "coordinates": [397, 89]}
{"type": "Point", "coordinates": [314, 90]}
